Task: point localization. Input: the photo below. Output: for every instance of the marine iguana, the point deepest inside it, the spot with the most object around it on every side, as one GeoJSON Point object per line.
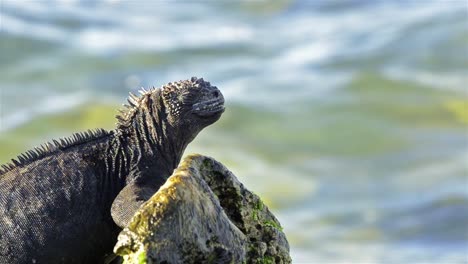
{"type": "Point", "coordinates": [66, 201]}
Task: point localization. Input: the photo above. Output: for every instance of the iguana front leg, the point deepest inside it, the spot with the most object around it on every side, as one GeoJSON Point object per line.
{"type": "Point", "coordinates": [128, 201]}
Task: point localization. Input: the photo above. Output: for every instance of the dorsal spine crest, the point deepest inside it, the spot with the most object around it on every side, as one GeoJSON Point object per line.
{"type": "Point", "coordinates": [50, 147]}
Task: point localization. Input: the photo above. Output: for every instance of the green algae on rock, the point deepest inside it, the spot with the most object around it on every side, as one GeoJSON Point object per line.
{"type": "Point", "coordinates": [203, 214]}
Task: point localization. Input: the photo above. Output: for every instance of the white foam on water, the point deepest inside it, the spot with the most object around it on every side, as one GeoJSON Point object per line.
{"type": "Point", "coordinates": [113, 27]}
{"type": "Point", "coordinates": [73, 10]}
{"type": "Point", "coordinates": [314, 52]}
{"type": "Point", "coordinates": [104, 40]}
{"type": "Point", "coordinates": [17, 26]}
{"type": "Point", "coordinates": [455, 81]}
{"type": "Point", "coordinates": [366, 253]}
{"type": "Point", "coordinates": [323, 251]}
{"type": "Point", "coordinates": [51, 104]}
{"type": "Point", "coordinates": [432, 179]}
{"type": "Point", "coordinates": [33, 7]}
{"type": "Point", "coordinates": [126, 25]}
{"type": "Point", "coordinates": [314, 38]}
{"type": "Point", "coordinates": [310, 39]}
{"type": "Point", "coordinates": [273, 87]}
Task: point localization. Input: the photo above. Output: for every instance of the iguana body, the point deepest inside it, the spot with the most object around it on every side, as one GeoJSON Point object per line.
{"type": "Point", "coordinates": [67, 201]}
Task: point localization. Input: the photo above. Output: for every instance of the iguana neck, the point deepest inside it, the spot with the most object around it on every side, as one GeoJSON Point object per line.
{"type": "Point", "coordinates": [150, 144]}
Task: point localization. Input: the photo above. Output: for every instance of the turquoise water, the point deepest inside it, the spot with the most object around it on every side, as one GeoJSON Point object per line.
{"type": "Point", "coordinates": [349, 118]}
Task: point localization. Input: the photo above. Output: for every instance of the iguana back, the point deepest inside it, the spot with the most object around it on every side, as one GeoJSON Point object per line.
{"type": "Point", "coordinates": [54, 209]}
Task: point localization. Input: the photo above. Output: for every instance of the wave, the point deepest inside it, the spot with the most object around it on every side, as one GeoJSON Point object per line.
{"type": "Point", "coordinates": [285, 75]}
{"type": "Point", "coordinates": [121, 25]}
{"type": "Point", "coordinates": [51, 104]}
{"type": "Point", "coordinates": [311, 44]}
{"type": "Point", "coordinates": [455, 81]}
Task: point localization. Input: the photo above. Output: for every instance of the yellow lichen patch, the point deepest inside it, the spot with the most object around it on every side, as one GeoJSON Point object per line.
{"type": "Point", "coordinates": [138, 257]}
{"type": "Point", "coordinates": [167, 192]}
{"type": "Point", "coordinates": [459, 108]}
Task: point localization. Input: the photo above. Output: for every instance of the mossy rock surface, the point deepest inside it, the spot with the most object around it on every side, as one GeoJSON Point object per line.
{"type": "Point", "coordinates": [203, 214]}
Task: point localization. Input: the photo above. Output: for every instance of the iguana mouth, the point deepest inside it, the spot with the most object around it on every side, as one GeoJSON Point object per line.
{"type": "Point", "coordinates": [209, 108]}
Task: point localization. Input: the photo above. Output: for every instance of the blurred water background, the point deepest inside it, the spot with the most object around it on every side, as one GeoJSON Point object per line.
{"type": "Point", "coordinates": [349, 118]}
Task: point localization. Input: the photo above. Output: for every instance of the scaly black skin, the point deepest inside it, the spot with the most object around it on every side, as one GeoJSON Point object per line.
{"type": "Point", "coordinates": [67, 202]}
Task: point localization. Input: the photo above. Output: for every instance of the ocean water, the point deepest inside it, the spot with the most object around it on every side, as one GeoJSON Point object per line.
{"type": "Point", "coordinates": [349, 118]}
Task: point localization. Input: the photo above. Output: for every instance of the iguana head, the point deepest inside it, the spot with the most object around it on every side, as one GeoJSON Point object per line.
{"type": "Point", "coordinates": [192, 104]}
{"type": "Point", "coordinates": [174, 113]}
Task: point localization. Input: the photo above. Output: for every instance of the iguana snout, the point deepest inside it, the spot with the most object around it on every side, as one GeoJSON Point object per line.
{"type": "Point", "coordinates": [211, 103]}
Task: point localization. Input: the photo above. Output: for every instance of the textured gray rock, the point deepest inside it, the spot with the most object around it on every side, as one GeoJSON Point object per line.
{"type": "Point", "coordinates": [203, 214]}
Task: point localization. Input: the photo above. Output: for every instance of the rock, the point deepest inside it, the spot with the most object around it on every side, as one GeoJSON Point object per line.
{"type": "Point", "coordinates": [203, 214]}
